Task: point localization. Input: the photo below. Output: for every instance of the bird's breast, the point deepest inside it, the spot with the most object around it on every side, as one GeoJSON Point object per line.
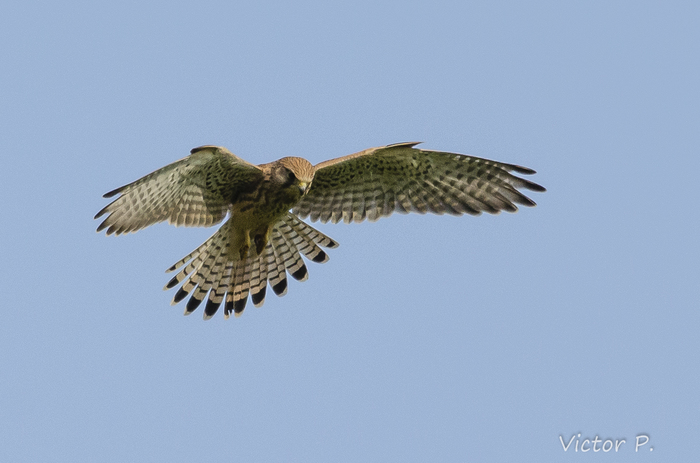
{"type": "Point", "coordinates": [264, 205]}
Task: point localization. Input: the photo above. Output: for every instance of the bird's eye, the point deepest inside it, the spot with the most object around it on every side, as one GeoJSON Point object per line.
{"type": "Point", "coordinates": [291, 178]}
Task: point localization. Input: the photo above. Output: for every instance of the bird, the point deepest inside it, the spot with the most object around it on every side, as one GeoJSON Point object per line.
{"type": "Point", "coordinates": [265, 235]}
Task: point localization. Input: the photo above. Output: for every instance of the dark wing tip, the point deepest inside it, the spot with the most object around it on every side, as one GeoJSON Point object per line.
{"type": "Point", "coordinates": [101, 226]}
{"type": "Point", "coordinates": [193, 303]}
{"type": "Point", "coordinates": [532, 186]}
{"type": "Point", "coordinates": [109, 194]}
{"type": "Point", "coordinates": [103, 211]}
{"type": "Point", "coordinates": [202, 148]}
{"type": "Point", "coordinates": [172, 283]}
{"type": "Point", "coordinates": [525, 183]}
{"type": "Point", "coordinates": [179, 295]}
{"type": "Point", "coordinates": [523, 201]}
{"type": "Point", "coordinates": [520, 169]}
{"type": "Point", "coordinates": [405, 144]}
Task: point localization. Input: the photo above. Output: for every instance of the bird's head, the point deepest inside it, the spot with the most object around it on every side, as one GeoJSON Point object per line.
{"type": "Point", "coordinates": [292, 172]}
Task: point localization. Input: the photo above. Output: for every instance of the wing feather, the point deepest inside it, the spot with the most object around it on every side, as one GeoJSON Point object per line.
{"type": "Point", "coordinates": [400, 178]}
{"type": "Point", "coordinates": [195, 191]}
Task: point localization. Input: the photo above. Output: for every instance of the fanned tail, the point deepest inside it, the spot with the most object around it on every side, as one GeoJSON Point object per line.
{"type": "Point", "coordinates": [213, 273]}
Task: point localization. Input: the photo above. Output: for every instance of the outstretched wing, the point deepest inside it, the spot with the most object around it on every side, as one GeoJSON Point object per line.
{"type": "Point", "coordinates": [194, 191]}
{"type": "Point", "coordinates": [378, 181]}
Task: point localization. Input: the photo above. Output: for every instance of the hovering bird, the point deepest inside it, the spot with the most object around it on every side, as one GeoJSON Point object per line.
{"type": "Point", "coordinates": [264, 237]}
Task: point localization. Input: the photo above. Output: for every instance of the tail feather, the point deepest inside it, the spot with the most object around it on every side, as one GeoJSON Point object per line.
{"type": "Point", "coordinates": [258, 282]}
{"type": "Point", "coordinates": [309, 232]}
{"type": "Point", "coordinates": [275, 268]}
{"type": "Point", "coordinates": [218, 291]}
{"type": "Point", "coordinates": [197, 252]}
{"type": "Point", "coordinates": [295, 235]}
{"type": "Point", "coordinates": [291, 259]}
{"type": "Point", "coordinates": [201, 280]}
{"type": "Point", "coordinates": [241, 286]}
{"type": "Point", "coordinates": [210, 271]}
{"type": "Point", "coordinates": [209, 275]}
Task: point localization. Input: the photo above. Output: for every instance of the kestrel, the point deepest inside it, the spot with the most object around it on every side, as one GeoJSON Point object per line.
{"type": "Point", "coordinates": [264, 237]}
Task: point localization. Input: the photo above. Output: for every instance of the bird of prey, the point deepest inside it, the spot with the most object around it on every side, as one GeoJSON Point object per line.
{"type": "Point", "coordinates": [264, 237]}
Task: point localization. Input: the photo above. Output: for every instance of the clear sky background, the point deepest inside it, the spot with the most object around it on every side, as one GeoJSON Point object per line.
{"type": "Point", "coordinates": [424, 338]}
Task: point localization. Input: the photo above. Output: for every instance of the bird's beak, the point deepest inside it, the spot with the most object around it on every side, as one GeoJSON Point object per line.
{"type": "Point", "coordinates": [303, 187]}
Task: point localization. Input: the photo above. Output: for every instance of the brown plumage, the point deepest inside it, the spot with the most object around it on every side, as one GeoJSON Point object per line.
{"type": "Point", "coordinates": [263, 241]}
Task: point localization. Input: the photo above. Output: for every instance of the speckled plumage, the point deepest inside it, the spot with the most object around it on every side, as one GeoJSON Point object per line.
{"type": "Point", "coordinates": [263, 241]}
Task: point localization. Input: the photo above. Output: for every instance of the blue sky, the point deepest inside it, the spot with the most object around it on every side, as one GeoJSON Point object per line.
{"type": "Point", "coordinates": [424, 338]}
